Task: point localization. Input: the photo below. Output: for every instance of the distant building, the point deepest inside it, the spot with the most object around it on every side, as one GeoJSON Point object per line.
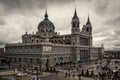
{"type": "Point", "coordinates": [114, 54]}
{"type": "Point", "coordinates": [48, 47]}
{"type": "Point", "coordinates": [1, 52]}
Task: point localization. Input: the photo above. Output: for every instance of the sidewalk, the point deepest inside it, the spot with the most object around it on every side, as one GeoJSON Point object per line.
{"type": "Point", "coordinates": [7, 72]}
{"type": "Point", "coordinates": [82, 78]}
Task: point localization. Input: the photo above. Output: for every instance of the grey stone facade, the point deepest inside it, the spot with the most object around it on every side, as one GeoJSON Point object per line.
{"type": "Point", "coordinates": [47, 44]}
{"type": "Point", "coordinates": [1, 52]}
{"type": "Point", "coordinates": [112, 53]}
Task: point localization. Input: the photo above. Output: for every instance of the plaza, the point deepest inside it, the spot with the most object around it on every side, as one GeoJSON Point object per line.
{"type": "Point", "coordinates": [90, 71]}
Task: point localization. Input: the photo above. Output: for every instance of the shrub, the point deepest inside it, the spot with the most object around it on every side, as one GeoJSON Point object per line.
{"type": "Point", "coordinates": [2, 78]}
{"type": "Point", "coordinates": [92, 73]}
{"type": "Point", "coordinates": [87, 73]}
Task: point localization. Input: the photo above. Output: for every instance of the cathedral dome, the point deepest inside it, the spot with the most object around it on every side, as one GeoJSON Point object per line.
{"type": "Point", "coordinates": [46, 27]}
{"type": "Point", "coordinates": [46, 23]}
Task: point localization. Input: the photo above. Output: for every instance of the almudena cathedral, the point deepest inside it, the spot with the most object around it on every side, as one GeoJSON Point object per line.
{"type": "Point", "coordinates": [46, 44]}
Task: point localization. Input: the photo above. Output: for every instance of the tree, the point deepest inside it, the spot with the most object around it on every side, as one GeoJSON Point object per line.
{"type": "Point", "coordinates": [79, 76]}
{"type": "Point", "coordinates": [87, 73]}
{"type": "Point", "coordinates": [2, 78]}
{"type": "Point", "coordinates": [82, 73]}
{"type": "Point", "coordinates": [51, 69]}
{"type": "Point", "coordinates": [92, 73]}
{"type": "Point", "coordinates": [2, 61]}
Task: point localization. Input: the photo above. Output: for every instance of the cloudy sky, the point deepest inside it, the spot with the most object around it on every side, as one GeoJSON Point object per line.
{"type": "Point", "coordinates": [17, 16]}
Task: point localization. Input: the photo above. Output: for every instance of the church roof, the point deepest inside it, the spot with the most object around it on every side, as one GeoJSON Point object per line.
{"type": "Point", "coordinates": [75, 17]}
{"type": "Point", "coordinates": [88, 21]}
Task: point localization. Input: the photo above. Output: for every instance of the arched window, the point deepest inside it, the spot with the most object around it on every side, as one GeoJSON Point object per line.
{"type": "Point", "coordinates": [87, 29]}
{"type": "Point", "coordinates": [19, 60]}
{"type": "Point", "coordinates": [15, 59]}
{"type": "Point", "coordinates": [50, 31]}
{"type": "Point", "coordinates": [73, 24]}
{"type": "Point", "coordinates": [31, 60]}
{"type": "Point", "coordinates": [78, 25]}
{"type": "Point", "coordinates": [37, 41]}
{"type": "Point", "coordinates": [32, 40]}
{"type": "Point", "coordinates": [40, 40]}
{"type": "Point", "coordinates": [46, 30]}
{"type": "Point", "coordinates": [37, 61]}
{"type": "Point", "coordinates": [51, 41]}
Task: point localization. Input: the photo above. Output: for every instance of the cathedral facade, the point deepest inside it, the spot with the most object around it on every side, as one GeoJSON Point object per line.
{"type": "Point", "coordinates": [47, 46]}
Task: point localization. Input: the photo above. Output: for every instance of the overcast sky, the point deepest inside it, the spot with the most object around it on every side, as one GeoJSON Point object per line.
{"type": "Point", "coordinates": [17, 16]}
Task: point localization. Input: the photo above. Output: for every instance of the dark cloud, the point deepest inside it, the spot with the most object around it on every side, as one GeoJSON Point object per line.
{"type": "Point", "coordinates": [20, 6]}
{"type": "Point", "coordinates": [28, 5]}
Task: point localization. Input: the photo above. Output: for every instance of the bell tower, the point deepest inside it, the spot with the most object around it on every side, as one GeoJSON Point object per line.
{"type": "Point", "coordinates": [89, 26]}
{"type": "Point", "coordinates": [75, 24]}
{"type": "Point", "coordinates": [89, 30]}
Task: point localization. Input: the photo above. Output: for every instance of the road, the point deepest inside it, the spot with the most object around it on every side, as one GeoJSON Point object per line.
{"type": "Point", "coordinates": [60, 76]}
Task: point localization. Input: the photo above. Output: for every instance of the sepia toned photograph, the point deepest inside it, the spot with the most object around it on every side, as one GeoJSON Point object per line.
{"type": "Point", "coordinates": [59, 39]}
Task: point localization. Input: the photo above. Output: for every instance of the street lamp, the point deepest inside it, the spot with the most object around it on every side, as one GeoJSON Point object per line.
{"type": "Point", "coordinates": [47, 64]}
{"type": "Point", "coordinates": [36, 68]}
{"type": "Point", "coordinates": [79, 76]}
{"type": "Point", "coordinates": [40, 66]}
